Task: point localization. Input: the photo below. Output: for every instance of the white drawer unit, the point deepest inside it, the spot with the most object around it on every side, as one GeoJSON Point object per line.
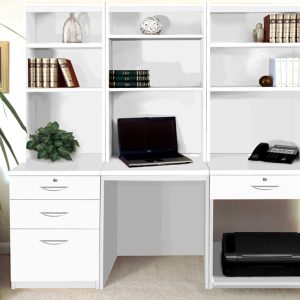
{"type": "Point", "coordinates": [255, 187]}
{"type": "Point", "coordinates": [54, 255]}
{"type": "Point", "coordinates": [54, 214]}
{"type": "Point", "coordinates": [55, 187]}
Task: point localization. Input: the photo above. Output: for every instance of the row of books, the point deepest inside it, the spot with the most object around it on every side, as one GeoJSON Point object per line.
{"type": "Point", "coordinates": [285, 71]}
{"type": "Point", "coordinates": [282, 28]}
{"type": "Point", "coordinates": [129, 79]}
{"type": "Point", "coordinates": [51, 73]}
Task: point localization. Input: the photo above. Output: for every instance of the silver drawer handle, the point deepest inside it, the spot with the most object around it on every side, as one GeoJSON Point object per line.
{"type": "Point", "coordinates": [53, 214]}
{"type": "Point", "coordinates": [54, 242]}
{"type": "Point", "coordinates": [265, 187]}
{"type": "Point", "coordinates": [53, 188]}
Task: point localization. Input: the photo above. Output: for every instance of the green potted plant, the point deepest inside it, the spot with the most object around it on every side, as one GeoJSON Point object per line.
{"type": "Point", "coordinates": [52, 143]}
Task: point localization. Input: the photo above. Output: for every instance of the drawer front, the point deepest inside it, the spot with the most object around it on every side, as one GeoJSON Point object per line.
{"type": "Point", "coordinates": [55, 187]}
{"type": "Point", "coordinates": [255, 187]}
{"type": "Point", "coordinates": [54, 214]}
{"type": "Point", "coordinates": [54, 255]}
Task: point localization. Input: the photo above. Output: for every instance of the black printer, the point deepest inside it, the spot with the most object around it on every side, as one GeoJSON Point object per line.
{"type": "Point", "coordinates": [261, 254]}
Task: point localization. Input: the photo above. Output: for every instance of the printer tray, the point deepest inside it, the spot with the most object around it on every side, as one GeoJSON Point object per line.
{"type": "Point", "coordinates": [261, 254]}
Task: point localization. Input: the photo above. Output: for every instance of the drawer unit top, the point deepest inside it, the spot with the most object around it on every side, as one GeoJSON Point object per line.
{"type": "Point", "coordinates": [55, 187]}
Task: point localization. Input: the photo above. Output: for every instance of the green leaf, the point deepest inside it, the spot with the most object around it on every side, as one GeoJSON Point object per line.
{"type": "Point", "coordinates": [42, 131]}
{"type": "Point", "coordinates": [66, 135]}
{"type": "Point", "coordinates": [8, 145]}
{"type": "Point", "coordinates": [50, 149]}
{"type": "Point", "coordinates": [4, 153]}
{"type": "Point", "coordinates": [52, 127]}
{"type": "Point", "coordinates": [76, 143]}
{"type": "Point", "coordinates": [40, 147]}
{"type": "Point", "coordinates": [13, 111]}
{"type": "Point", "coordinates": [30, 145]}
{"type": "Point", "coordinates": [42, 154]}
{"type": "Point", "coordinates": [54, 156]}
{"type": "Point", "coordinates": [68, 157]}
{"type": "Point", "coordinates": [57, 144]}
{"type": "Point", "coordinates": [63, 151]}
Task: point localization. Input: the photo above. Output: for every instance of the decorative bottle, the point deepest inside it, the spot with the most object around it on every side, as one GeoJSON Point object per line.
{"type": "Point", "coordinates": [72, 32]}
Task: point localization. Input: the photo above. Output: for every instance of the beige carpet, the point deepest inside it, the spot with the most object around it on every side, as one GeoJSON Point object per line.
{"type": "Point", "coordinates": [145, 278]}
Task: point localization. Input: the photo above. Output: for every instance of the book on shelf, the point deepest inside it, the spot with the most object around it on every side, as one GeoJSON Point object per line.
{"type": "Point", "coordinates": [279, 28]}
{"type": "Point", "coordinates": [129, 84]}
{"type": "Point", "coordinates": [285, 71]}
{"type": "Point", "coordinates": [39, 72]}
{"type": "Point", "coordinates": [298, 28]}
{"type": "Point", "coordinates": [292, 31]}
{"type": "Point", "coordinates": [129, 78]}
{"type": "Point", "coordinates": [129, 72]}
{"type": "Point", "coordinates": [270, 28]}
{"type": "Point", "coordinates": [286, 28]}
{"type": "Point", "coordinates": [46, 72]}
{"type": "Point", "coordinates": [31, 72]}
{"type": "Point", "coordinates": [68, 72]}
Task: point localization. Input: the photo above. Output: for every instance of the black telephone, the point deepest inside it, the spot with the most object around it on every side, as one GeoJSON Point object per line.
{"type": "Point", "coordinates": [277, 153]}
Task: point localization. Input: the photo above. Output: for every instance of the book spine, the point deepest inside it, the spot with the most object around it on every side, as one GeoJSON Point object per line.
{"type": "Point", "coordinates": [279, 21]}
{"type": "Point", "coordinates": [275, 71]}
{"type": "Point", "coordinates": [289, 72]}
{"type": "Point", "coordinates": [286, 28]}
{"type": "Point", "coordinates": [39, 72]}
{"type": "Point", "coordinates": [129, 78]}
{"type": "Point", "coordinates": [292, 34]}
{"type": "Point", "coordinates": [283, 71]}
{"type": "Point", "coordinates": [53, 72]}
{"type": "Point", "coordinates": [298, 28]}
{"type": "Point", "coordinates": [31, 73]}
{"type": "Point", "coordinates": [129, 72]}
{"type": "Point", "coordinates": [269, 28]}
{"type": "Point", "coordinates": [295, 72]}
{"type": "Point", "coordinates": [46, 72]}
{"type": "Point", "coordinates": [132, 84]}
{"type": "Point", "coordinates": [68, 72]}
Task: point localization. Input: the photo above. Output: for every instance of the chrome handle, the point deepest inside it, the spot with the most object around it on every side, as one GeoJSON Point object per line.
{"type": "Point", "coordinates": [53, 214]}
{"type": "Point", "coordinates": [53, 188]}
{"type": "Point", "coordinates": [54, 242]}
{"type": "Point", "coordinates": [264, 187]}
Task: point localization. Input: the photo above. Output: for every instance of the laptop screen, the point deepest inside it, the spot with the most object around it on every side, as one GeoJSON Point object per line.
{"type": "Point", "coordinates": [147, 135]}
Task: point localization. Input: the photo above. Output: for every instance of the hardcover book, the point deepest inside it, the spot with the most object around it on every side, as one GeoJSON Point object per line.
{"type": "Point", "coordinates": [292, 34]}
{"type": "Point", "coordinates": [279, 28]}
{"type": "Point", "coordinates": [31, 73]}
{"type": "Point", "coordinates": [129, 78]}
{"type": "Point", "coordinates": [275, 71]}
{"type": "Point", "coordinates": [68, 72]}
{"type": "Point", "coordinates": [129, 72]}
{"type": "Point", "coordinates": [46, 72]}
{"type": "Point", "coordinates": [286, 28]}
{"type": "Point", "coordinates": [298, 28]}
{"type": "Point", "coordinates": [132, 84]}
{"type": "Point", "coordinates": [269, 28]}
{"type": "Point", "coordinates": [295, 72]}
{"type": "Point", "coordinates": [39, 72]}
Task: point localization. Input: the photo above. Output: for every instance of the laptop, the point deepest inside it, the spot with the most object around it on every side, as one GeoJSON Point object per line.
{"type": "Point", "coordinates": [149, 142]}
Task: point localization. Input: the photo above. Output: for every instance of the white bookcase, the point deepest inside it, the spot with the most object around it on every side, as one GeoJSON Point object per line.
{"type": "Point", "coordinates": [247, 196]}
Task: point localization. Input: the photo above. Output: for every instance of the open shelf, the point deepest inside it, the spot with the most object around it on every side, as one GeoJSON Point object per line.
{"type": "Point", "coordinates": [155, 89]}
{"type": "Point", "coordinates": [156, 37]}
{"type": "Point", "coordinates": [64, 45]}
{"type": "Point", "coordinates": [221, 281]}
{"type": "Point", "coordinates": [253, 45]}
{"type": "Point", "coordinates": [82, 164]}
{"type": "Point", "coordinates": [217, 89]}
{"type": "Point", "coordinates": [116, 167]}
{"type": "Point", "coordinates": [62, 90]}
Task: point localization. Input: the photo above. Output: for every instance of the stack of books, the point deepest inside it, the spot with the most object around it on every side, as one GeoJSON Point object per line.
{"type": "Point", "coordinates": [51, 73]}
{"type": "Point", "coordinates": [129, 79]}
{"type": "Point", "coordinates": [285, 71]}
{"type": "Point", "coordinates": [282, 28]}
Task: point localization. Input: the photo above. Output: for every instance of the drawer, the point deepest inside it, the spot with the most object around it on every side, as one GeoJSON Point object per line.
{"type": "Point", "coordinates": [54, 255]}
{"type": "Point", "coordinates": [55, 187]}
{"type": "Point", "coordinates": [255, 187]}
{"type": "Point", "coordinates": [54, 213]}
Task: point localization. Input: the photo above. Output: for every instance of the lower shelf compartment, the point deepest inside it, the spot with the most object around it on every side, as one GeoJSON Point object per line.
{"type": "Point", "coordinates": [221, 281]}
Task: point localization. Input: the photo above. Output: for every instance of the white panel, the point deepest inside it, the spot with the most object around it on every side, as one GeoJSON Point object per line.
{"type": "Point", "coordinates": [90, 22]}
{"type": "Point", "coordinates": [242, 66]}
{"type": "Point", "coordinates": [173, 22]}
{"type": "Point", "coordinates": [171, 63]}
{"type": "Point", "coordinates": [161, 218]}
{"type": "Point", "coordinates": [87, 63]}
{"type": "Point", "coordinates": [240, 121]}
{"type": "Point", "coordinates": [185, 106]}
{"type": "Point", "coordinates": [295, 119]}
{"type": "Point", "coordinates": [77, 112]}
{"type": "Point", "coordinates": [54, 255]}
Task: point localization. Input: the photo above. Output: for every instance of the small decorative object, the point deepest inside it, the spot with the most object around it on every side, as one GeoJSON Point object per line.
{"type": "Point", "coordinates": [72, 32]}
{"type": "Point", "coordinates": [50, 142]}
{"type": "Point", "coordinates": [266, 80]}
{"type": "Point", "coordinates": [151, 25]}
{"type": "Point", "coordinates": [258, 33]}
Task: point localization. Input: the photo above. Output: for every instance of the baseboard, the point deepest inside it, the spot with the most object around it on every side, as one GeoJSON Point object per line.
{"type": "Point", "coordinates": [4, 248]}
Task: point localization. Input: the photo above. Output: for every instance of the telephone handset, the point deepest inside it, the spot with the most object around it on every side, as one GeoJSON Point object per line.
{"type": "Point", "coordinates": [276, 153]}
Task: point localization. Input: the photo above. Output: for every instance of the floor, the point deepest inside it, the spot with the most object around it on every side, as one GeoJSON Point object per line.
{"type": "Point", "coordinates": [145, 278]}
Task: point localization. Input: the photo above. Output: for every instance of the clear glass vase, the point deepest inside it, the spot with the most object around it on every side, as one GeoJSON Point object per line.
{"type": "Point", "coordinates": [72, 32]}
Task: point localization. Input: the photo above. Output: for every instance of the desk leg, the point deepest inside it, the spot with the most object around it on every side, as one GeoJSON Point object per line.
{"type": "Point", "coordinates": [108, 229]}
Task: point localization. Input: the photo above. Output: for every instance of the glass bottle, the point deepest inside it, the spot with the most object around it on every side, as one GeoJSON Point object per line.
{"type": "Point", "coordinates": [72, 32]}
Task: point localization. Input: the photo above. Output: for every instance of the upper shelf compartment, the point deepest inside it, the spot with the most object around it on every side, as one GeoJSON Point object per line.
{"type": "Point", "coordinates": [176, 20]}
{"type": "Point", "coordinates": [232, 25]}
{"type": "Point", "coordinates": [45, 22]}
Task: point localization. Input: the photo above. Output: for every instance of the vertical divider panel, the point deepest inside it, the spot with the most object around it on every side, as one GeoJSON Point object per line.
{"type": "Point", "coordinates": [108, 144]}
{"type": "Point", "coordinates": [208, 82]}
